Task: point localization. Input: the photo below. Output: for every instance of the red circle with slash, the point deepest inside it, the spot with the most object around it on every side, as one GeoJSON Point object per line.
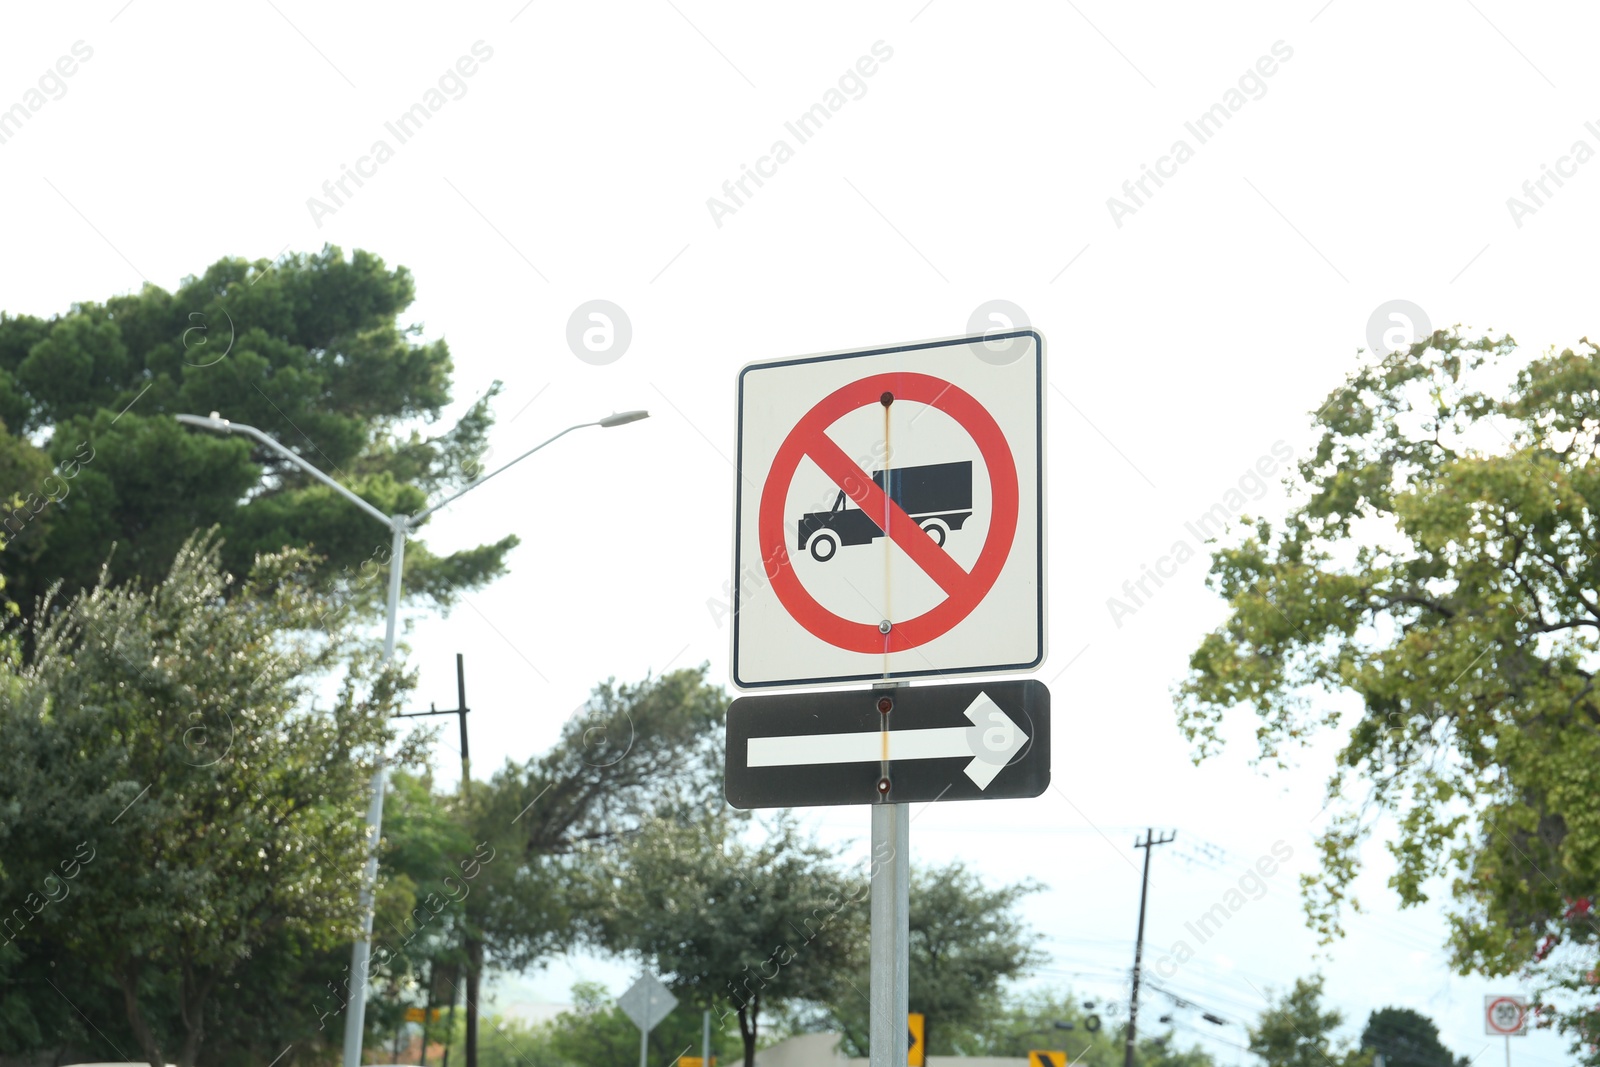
{"type": "Point", "coordinates": [964, 590]}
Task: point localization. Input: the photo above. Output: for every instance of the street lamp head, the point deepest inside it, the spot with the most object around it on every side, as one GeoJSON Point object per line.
{"type": "Point", "coordinates": [211, 422]}
{"type": "Point", "coordinates": [622, 418]}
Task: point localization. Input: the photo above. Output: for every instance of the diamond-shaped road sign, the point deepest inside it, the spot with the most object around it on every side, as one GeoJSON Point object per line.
{"type": "Point", "coordinates": [647, 1002]}
{"type": "Point", "coordinates": [909, 744]}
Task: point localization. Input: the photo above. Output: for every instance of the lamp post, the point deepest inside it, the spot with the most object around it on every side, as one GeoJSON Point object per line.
{"type": "Point", "coordinates": [398, 525]}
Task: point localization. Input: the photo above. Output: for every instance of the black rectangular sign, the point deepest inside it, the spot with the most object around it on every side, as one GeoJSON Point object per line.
{"type": "Point", "coordinates": [908, 744]}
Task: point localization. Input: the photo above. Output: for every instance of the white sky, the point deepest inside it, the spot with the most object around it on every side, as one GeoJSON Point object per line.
{"type": "Point", "coordinates": [1183, 344]}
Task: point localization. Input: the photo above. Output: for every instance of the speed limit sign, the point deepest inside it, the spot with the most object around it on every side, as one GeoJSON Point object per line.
{"type": "Point", "coordinates": [1505, 1016]}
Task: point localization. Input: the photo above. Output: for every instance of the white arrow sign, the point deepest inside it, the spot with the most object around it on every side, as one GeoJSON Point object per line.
{"type": "Point", "coordinates": [992, 740]}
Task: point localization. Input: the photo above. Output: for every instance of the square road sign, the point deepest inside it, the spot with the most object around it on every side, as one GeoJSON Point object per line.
{"type": "Point", "coordinates": [890, 513]}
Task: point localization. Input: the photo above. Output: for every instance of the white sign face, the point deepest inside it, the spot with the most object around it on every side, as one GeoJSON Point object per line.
{"type": "Point", "coordinates": [647, 1002]}
{"type": "Point", "coordinates": [1505, 1016]}
{"type": "Point", "coordinates": [890, 513]}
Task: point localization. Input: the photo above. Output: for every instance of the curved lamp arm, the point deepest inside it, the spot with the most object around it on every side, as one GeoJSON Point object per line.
{"type": "Point", "coordinates": [620, 419]}
{"type": "Point", "coordinates": [221, 425]}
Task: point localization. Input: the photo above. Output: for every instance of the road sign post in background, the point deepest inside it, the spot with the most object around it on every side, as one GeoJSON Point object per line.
{"type": "Point", "coordinates": [1505, 1016]}
{"type": "Point", "coordinates": [646, 1002]}
{"type": "Point", "coordinates": [889, 524]}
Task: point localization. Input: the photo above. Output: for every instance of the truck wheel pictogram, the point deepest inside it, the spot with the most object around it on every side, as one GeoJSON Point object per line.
{"type": "Point", "coordinates": [937, 530]}
{"type": "Point", "coordinates": [823, 546]}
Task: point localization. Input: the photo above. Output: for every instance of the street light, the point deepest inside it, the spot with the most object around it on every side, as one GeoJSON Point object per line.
{"type": "Point", "coordinates": [398, 524]}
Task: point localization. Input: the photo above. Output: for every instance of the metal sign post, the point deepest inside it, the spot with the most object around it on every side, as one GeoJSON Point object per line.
{"type": "Point", "coordinates": [891, 930]}
{"type": "Point", "coordinates": [915, 473]}
{"type": "Point", "coordinates": [646, 1002]}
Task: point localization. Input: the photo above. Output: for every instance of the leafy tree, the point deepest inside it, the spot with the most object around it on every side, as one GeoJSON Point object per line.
{"type": "Point", "coordinates": [429, 866]}
{"type": "Point", "coordinates": [733, 926]}
{"type": "Point", "coordinates": [633, 753]}
{"type": "Point", "coordinates": [1295, 1031]}
{"type": "Point", "coordinates": [596, 1033]}
{"type": "Point", "coordinates": [593, 1033]}
{"type": "Point", "coordinates": [1407, 1038]}
{"type": "Point", "coordinates": [308, 349]}
{"type": "Point", "coordinates": [170, 801]}
{"type": "Point", "coordinates": [1439, 566]}
{"type": "Point", "coordinates": [967, 941]}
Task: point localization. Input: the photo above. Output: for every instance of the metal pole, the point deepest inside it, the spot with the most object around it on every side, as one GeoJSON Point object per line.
{"type": "Point", "coordinates": [461, 707]}
{"type": "Point", "coordinates": [1149, 843]}
{"type": "Point", "coordinates": [450, 1023]}
{"type": "Point", "coordinates": [1508, 1050]}
{"type": "Point", "coordinates": [361, 954]}
{"type": "Point", "coordinates": [427, 1014]}
{"type": "Point", "coordinates": [644, 1031]}
{"type": "Point", "coordinates": [705, 1039]}
{"type": "Point", "coordinates": [891, 928]}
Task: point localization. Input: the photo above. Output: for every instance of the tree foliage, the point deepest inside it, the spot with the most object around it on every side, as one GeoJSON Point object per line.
{"type": "Point", "coordinates": [308, 349]}
{"type": "Point", "coordinates": [1440, 565]}
{"type": "Point", "coordinates": [967, 942]}
{"type": "Point", "coordinates": [1295, 1031]}
{"type": "Point", "coordinates": [634, 752]}
{"type": "Point", "coordinates": [738, 927]}
{"type": "Point", "coordinates": [172, 803]}
{"type": "Point", "coordinates": [1407, 1038]}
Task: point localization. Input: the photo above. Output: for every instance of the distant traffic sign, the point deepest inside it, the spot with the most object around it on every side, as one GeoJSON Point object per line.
{"type": "Point", "coordinates": [1046, 1058]}
{"type": "Point", "coordinates": [970, 741]}
{"type": "Point", "coordinates": [890, 514]}
{"type": "Point", "coordinates": [916, 1045]}
{"type": "Point", "coordinates": [647, 1002]}
{"type": "Point", "coordinates": [1505, 1016]}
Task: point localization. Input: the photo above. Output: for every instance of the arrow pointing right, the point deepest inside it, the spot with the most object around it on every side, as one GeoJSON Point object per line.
{"type": "Point", "coordinates": [992, 740]}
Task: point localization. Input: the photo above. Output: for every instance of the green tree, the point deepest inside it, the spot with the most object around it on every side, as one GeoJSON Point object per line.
{"type": "Point", "coordinates": [596, 1033]}
{"type": "Point", "coordinates": [429, 866]}
{"type": "Point", "coordinates": [1407, 1038]}
{"type": "Point", "coordinates": [967, 942]}
{"type": "Point", "coordinates": [1439, 566]}
{"type": "Point", "coordinates": [308, 349]}
{"type": "Point", "coordinates": [171, 800]}
{"type": "Point", "coordinates": [736, 927]}
{"type": "Point", "coordinates": [633, 753]}
{"type": "Point", "coordinates": [1295, 1031]}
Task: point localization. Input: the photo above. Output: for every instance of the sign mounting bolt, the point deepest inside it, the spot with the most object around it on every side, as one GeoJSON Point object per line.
{"type": "Point", "coordinates": [885, 626]}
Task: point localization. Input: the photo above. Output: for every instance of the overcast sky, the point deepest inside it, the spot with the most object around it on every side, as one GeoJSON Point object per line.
{"type": "Point", "coordinates": [571, 153]}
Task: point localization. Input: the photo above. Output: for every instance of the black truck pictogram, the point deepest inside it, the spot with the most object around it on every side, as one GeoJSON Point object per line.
{"type": "Point", "coordinates": [937, 496]}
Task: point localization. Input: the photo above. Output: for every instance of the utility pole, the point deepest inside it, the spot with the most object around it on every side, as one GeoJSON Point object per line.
{"type": "Point", "coordinates": [1150, 840]}
{"type": "Point", "coordinates": [460, 711]}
